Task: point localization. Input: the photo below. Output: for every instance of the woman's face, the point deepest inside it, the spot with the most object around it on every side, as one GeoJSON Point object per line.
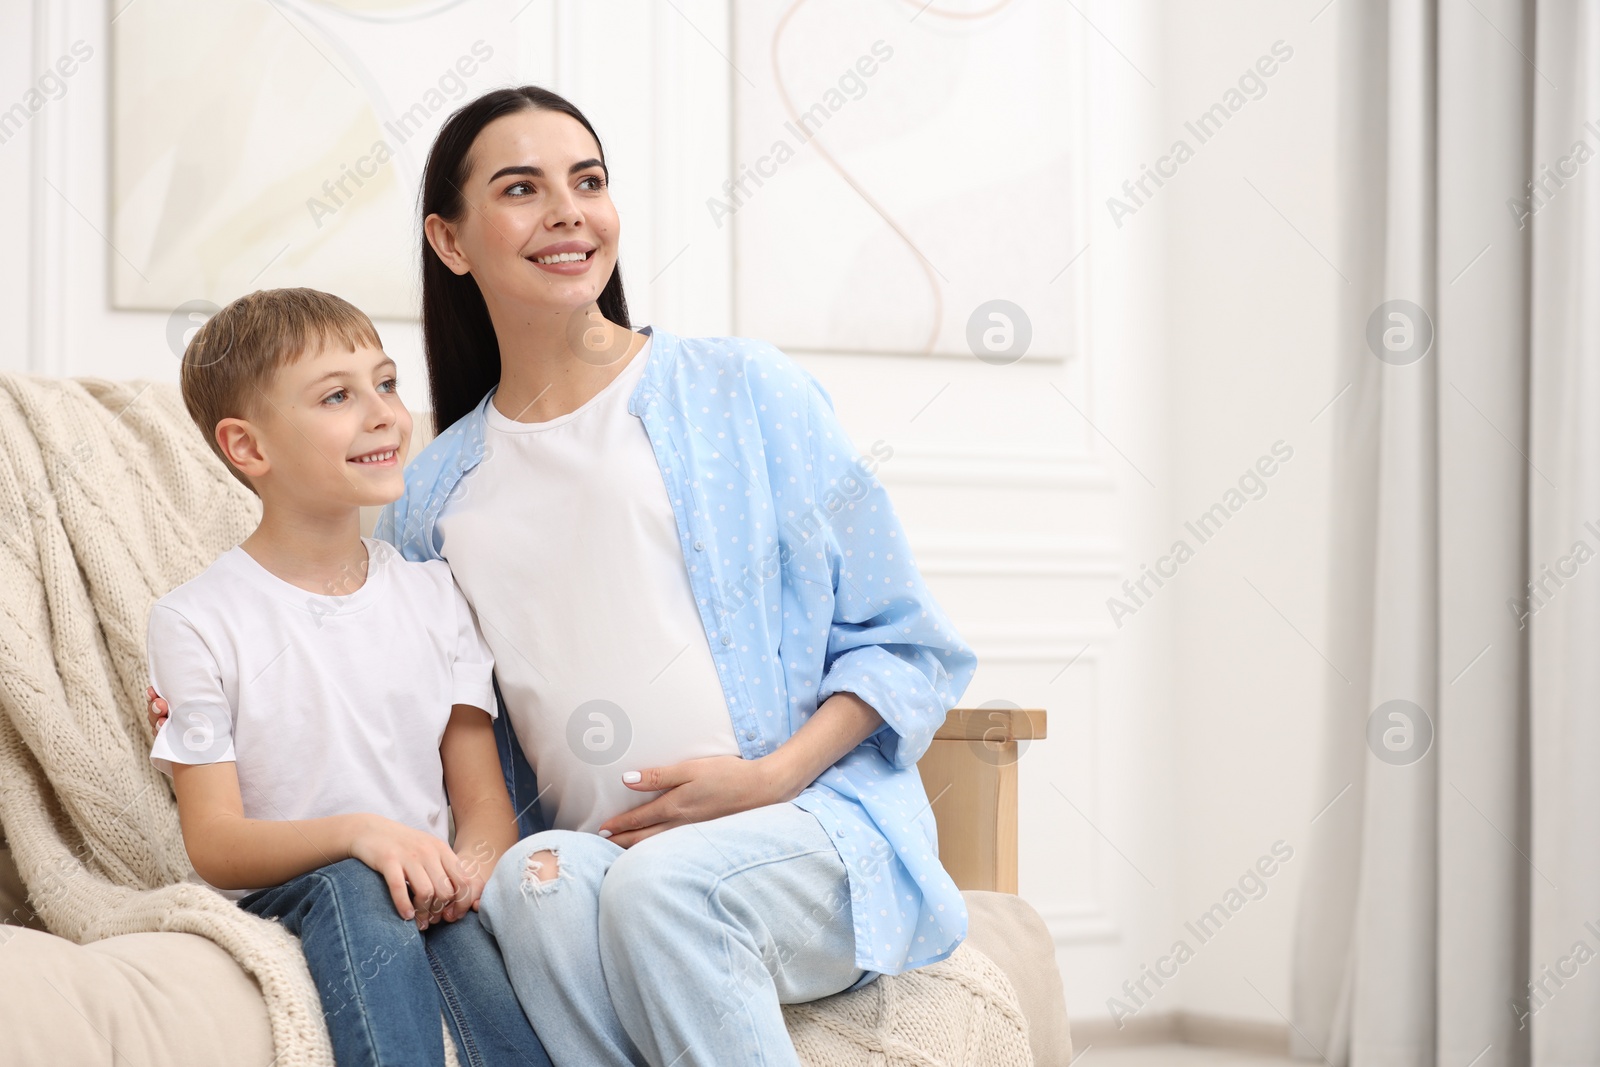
{"type": "Point", "coordinates": [539, 230]}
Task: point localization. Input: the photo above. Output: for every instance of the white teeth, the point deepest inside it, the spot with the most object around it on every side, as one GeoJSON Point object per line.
{"type": "Point", "coordinates": [376, 457]}
{"type": "Point", "coordinates": [564, 257]}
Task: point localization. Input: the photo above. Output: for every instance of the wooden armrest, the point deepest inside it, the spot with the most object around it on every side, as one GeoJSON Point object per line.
{"type": "Point", "coordinates": [995, 725]}
{"type": "Point", "coordinates": [970, 773]}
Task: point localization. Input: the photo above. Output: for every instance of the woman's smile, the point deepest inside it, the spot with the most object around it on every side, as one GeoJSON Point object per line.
{"type": "Point", "coordinates": [564, 257]}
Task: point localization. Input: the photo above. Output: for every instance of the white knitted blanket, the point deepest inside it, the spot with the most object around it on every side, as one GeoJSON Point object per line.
{"type": "Point", "coordinates": [109, 498]}
{"type": "Point", "coordinates": [960, 1012]}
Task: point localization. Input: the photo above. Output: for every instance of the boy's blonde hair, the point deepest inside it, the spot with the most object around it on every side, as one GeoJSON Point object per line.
{"type": "Point", "coordinates": [235, 356]}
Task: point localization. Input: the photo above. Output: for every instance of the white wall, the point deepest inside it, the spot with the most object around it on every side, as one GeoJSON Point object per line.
{"type": "Point", "coordinates": [1210, 340]}
{"type": "Point", "coordinates": [666, 129]}
{"type": "Point", "coordinates": [1182, 743]}
{"type": "Point", "coordinates": [1132, 844]}
{"type": "Point", "coordinates": [1250, 362]}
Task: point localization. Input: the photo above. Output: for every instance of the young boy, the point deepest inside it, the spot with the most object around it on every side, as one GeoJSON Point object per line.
{"type": "Point", "coordinates": [330, 701]}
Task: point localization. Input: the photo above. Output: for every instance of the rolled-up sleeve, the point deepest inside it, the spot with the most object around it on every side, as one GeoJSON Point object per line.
{"type": "Point", "coordinates": [890, 643]}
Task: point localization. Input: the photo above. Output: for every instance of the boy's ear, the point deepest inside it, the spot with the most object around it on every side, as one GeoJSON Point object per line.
{"type": "Point", "coordinates": [240, 442]}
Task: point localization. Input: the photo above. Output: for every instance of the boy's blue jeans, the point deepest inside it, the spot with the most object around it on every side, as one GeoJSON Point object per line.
{"type": "Point", "coordinates": [681, 949]}
{"type": "Point", "coordinates": [383, 982]}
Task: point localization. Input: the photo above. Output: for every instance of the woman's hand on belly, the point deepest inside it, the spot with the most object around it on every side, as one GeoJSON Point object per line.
{"type": "Point", "coordinates": [708, 788]}
{"type": "Point", "coordinates": [698, 790]}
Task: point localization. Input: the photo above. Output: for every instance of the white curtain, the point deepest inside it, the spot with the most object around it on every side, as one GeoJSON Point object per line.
{"type": "Point", "coordinates": [1448, 873]}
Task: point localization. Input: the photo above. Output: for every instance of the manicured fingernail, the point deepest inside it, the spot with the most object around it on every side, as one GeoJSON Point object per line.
{"type": "Point", "coordinates": [631, 777]}
{"type": "Point", "coordinates": [605, 833]}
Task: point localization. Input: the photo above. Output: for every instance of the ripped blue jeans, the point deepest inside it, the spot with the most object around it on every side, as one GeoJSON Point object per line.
{"type": "Point", "coordinates": [681, 949]}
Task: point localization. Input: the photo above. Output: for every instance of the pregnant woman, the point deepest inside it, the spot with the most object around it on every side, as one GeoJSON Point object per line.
{"type": "Point", "coordinates": [717, 662]}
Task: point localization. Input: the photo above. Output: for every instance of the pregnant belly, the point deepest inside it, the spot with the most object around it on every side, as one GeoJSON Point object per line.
{"type": "Point", "coordinates": [579, 757]}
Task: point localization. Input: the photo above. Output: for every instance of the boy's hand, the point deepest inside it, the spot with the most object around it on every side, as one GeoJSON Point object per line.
{"type": "Point", "coordinates": [485, 825]}
{"type": "Point", "coordinates": [467, 896]}
{"type": "Point", "coordinates": [403, 855]}
{"type": "Point", "coordinates": [155, 709]}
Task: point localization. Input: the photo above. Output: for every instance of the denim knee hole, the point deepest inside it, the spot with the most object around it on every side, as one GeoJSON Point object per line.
{"type": "Point", "coordinates": [534, 879]}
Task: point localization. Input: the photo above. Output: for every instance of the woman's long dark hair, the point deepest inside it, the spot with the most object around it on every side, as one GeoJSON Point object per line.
{"type": "Point", "coordinates": [457, 334]}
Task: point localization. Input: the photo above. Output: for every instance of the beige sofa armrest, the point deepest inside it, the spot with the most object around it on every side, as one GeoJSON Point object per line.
{"type": "Point", "coordinates": [1005, 928]}
{"type": "Point", "coordinates": [168, 998]}
{"type": "Point", "coordinates": [174, 999]}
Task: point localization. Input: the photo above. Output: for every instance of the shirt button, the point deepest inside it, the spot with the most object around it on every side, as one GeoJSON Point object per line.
{"type": "Point", "coordinates": [750, 735]}
{"type": "Point", "coordinates": [839, 832]}
{"type": "Point", "coordinates": [727, 639]}
{"type": "Point", "coordinates": [699, 546]}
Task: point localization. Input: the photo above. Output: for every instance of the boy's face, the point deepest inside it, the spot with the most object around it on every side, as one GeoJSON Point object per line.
{"type": "Point", "coordinates": [330, 432]}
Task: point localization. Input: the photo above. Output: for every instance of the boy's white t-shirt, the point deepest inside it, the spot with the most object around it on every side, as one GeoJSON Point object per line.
{"type": "Point", "coordinates": [329, 705]}
{"type": "Point", "coordinates": [564, 539]}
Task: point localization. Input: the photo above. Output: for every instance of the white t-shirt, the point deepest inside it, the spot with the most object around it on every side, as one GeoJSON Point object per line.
{"type": "Point", "coordinates": [563, 539]}
{"type": "Point", "coordinates": [330, 705]}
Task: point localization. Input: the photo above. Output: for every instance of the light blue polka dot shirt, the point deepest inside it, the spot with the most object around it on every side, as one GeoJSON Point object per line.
{"type": "Point", "coordinates": [806, 588]}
